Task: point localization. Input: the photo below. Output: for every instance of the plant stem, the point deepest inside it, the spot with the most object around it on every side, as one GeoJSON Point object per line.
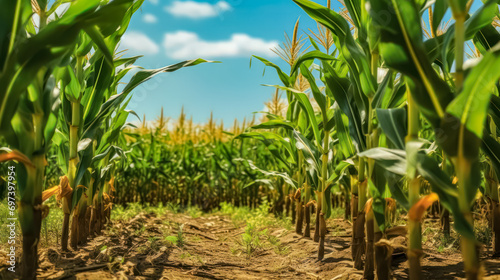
{"type": "Point", "coordinates": [414, 226]}
{"type": "Point", "coordinates": [324, 178]}
{"type": "Point", "coordinates": [72, 169]}
{"type": "Point", "coordinates": [463, 169]}
{"type": "Point", "coordinates": [415, 233]}
{"type": "Point", "coordinates": [459, 50]}
{"type": "Point", "coordinates": [30, 220]}
{"type": "Point", "coordinates": [307, 190]}
{"type": "Point", "coordinates": [299, 202]}
{"type": "Point", "coordinates": [13, 32]}
{"type": "Point", "coordinates": [463, 164]}
{"type": "Point", "coordinates": [30, 212]}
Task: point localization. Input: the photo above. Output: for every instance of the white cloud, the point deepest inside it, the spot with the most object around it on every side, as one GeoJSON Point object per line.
{"type": "Point", "coordinates": [139, 42]}
{"type": "Point", "coordinates": [154, 2]}
{"type": "Point", "coordinates": [197, 10]}
{"type": "Point", "coordinates": [149, 18]}
{"type": "Point", "coordinates": [185, 44]}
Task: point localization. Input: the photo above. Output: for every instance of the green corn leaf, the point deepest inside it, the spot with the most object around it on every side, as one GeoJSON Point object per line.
{"type": "Point", "coordinates": [391, 159]}
{"type": "Point", "coordinates": [108, 151]}
{"type": "Point", "coordinates": [144, 75]}
{"type": "Point", "coordinates": [380, 95]}
{"type": "Point", "coordinates": [114, 17]}
{"type": "Point", "coordinates": [402, 49]}
{"type": "Point", "coordinates": [339, 88]}
{"type": "Point", "coordinates": [339, 173]}
{"type": "Point", "coordinates": [495, 110]}
{"type": "Point", "coordinates": [355, 9]}
{"type": "Point", "coordinates": [440, 8]}
{"type": "Point", "coordinates": [126, 62]}
{"type": "Point", "coordinates": [83, 165]}
{"type": "Point", "coordinates": [479, 20]}
{"type": "Point", "coordinates": [313, 43]}
{"type": "Point", "coordinates": [326, 204]}
{"type": "Point", "coordinates": [330, 124]}
{"type": "Point", "coordinates": [269, 139]}
{"type": "Point", "coordinates": [394, 161]}
{"type": "Point", "coordinates": [397, 98]}
{"type": "Point", "coordinates": [99, 41]}
{"type": "Point", "coordinates": [304, 102]}
{"type": "Point", "coordinates": [318, 96]}
{"type": "Point", "coordinates": [73, 89]}
{"type": "Point", "coordinates": [310, 152]}
{"type": "Point", "coordinates": [98, 88]}
{"type": "Point", "coordinates": [7, 21]}
{"type": "Point", "coordinates": [282, 175]}
{"type": "Point", "coordinates": [492, 150]}
{"type": "Point", "coordinates": [303, 99]}
{"type": "Point", "coordinates": [471, 105]}
{"type": "Point", "coordinates": [343, 135]}
{"type": "Point", "coordinates": [486, 38]}
{"type": "Point", "coordinates": [285, 79]}
{"type": "Point", "coordinates": [393, 123]}
{"type": "Point", "coordinates": [111, 135]}
{"type": "Point", "coordinates": [84, 46]}
{"type": "Point", "coordinates": [274, 123]}
{"type": "Point", "coordinates": [351, 52]}
{"type": "Point", "coordinates": [78, 8]}
{"type": "Point", "coordinates": [378, 204]}
{"type": "Point", "coordinates": [396, 186]}
{"type": "Point", "coordinates": [45, 49]}
{"type": "Point", "coordinates": [310, 56]}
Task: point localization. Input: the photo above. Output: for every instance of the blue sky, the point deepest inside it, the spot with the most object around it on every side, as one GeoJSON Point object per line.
{"type": "Point", "coordinates": [168, 31]}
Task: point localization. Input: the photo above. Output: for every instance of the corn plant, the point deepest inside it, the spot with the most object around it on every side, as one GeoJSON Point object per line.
{"type": "Point", "coordinates": [170, 166]}
{"type": "Point", "coordinates": [29, 106]}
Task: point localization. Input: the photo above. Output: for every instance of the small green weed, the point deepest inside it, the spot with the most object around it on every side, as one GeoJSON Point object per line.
{"type": "Point", "coordinates": [194, 212]}
{"type": "Point", "coordinates": [172, 240]}
{"type": "Point", "coordinates": [140, 231]}
{"type": "Point", "coordinates": [482, 231]}
{"type": "Point", "coordinates": [154, 244]}
{"type": "Point", "coordinates": [177, 240]}
{"type": "Point", "coordinates": [279, 248]}
{"type": "Point", "coordinates": [251, 239]}
{"type": "Point", "coordinates": [180, 236]}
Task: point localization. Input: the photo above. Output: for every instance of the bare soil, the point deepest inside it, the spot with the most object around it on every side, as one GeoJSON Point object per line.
{"type": "Point", "coordinates": [136, 249]}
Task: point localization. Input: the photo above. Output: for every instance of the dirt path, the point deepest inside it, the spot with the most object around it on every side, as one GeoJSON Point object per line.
{"type": "Point", "coordinates": [211, 247]}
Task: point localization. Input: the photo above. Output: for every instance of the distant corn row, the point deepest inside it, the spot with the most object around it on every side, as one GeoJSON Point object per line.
{"type": "Point", "coordinates": [191, 165]}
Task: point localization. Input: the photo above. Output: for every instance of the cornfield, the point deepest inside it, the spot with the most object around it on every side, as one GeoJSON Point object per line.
{"type": "Point", "coordinates": [388, 112]}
